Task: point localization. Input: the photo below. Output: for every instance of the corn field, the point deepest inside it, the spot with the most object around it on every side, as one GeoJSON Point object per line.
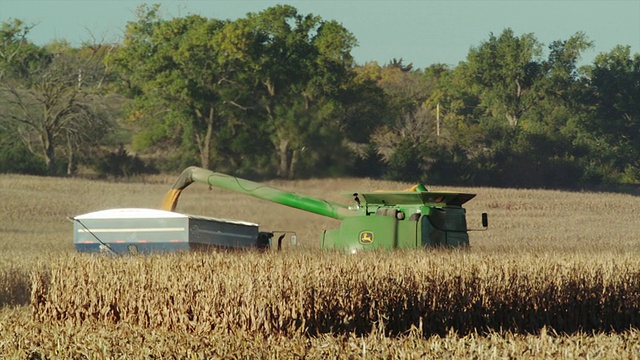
{"type": "Point", "coordinates": [557, 275]}
{"type": "Point", "coordinates": [319, 293]}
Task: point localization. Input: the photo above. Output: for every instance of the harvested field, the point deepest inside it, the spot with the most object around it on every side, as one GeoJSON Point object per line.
{"type": "Point", "coordinates": [557, 275]}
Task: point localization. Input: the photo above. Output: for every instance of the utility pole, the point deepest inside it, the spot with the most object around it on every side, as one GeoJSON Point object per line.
{"type": "Point", "coordinates": [438, 119]}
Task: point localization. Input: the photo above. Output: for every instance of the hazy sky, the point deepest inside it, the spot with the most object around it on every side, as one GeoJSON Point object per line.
{"type": "Point", "coordinates": [422, 32]}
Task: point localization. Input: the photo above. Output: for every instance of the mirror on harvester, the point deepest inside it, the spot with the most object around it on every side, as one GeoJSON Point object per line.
{"type": "Point", "coordinates": [294, 239]}
{"type": "Point", "coordinates": [485, 220]}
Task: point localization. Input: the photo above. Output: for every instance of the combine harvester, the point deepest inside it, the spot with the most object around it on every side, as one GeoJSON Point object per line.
{"type": "Point", "coordinates": [411, 219]}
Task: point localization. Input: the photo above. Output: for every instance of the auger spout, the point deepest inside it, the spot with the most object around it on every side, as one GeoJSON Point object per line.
{"type": "Point", "coordinates": [258, 190]}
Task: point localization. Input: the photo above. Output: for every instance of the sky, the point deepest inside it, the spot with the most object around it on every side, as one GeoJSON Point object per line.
{"type": "Point", "coordinates": [421, 32]}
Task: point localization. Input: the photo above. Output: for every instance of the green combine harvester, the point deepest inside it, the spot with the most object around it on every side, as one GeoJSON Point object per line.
{"type": "Point", "coordinates": [411, 219]}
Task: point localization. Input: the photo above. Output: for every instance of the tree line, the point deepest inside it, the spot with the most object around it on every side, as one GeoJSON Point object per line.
{"type": "Point", "coordinates": [278, 94]}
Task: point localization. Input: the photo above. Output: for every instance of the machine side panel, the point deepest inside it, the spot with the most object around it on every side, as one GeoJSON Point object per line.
{"type": "Point", "coordinates": [441, 198]}
{"type": "Point", "coordinates": [146, 234]}
{"type": "Point", "coordinates": [367, 232]}
{"type": "Point", "coordinates": [445, 227]}
{"type": "Point", "coordinates": [409, 234]}
{"type": "Point", "coordinates": [146, 230]}
{"type": "Point", "coordinates": [222, 234]}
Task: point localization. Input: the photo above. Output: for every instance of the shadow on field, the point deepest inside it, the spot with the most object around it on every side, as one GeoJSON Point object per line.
{"type": "Point", "coordinates": [15, 287]}
{"type": "Point", "coordinates": [622, 189]}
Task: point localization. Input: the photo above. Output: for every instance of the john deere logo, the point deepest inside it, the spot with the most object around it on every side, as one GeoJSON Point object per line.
{"type": "Point", "coordinates": [366, 237]}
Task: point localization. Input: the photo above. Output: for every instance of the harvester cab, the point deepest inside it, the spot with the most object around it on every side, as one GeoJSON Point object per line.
{"type": "Point", "coordinates": [408, 219]}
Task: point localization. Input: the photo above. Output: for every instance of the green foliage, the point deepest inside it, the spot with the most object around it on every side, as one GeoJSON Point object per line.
{"type": "Point", "coordinates": [121, 164]}
{"type": "Point", "coordinates": [277, 93]}
{"type": "Point", "coordinates": [363, 108]}
{"type": "Point", "coordinates": [615, 120]}
{"type": "Point", "coordinates": [544, 142]}
{"type": "Point", "coordinates": [368, 164]}
{"type": "Point", "coordinates": [300, 63]}
{"type": "Point", "coordinates": [199, 83]}
{"type": "Point", "coordinates": [504, 71]}
{"type": "Point", "coordinates": [404, 164]}
{"type": "Point", "coordinates": [16, 158]}
{"type": "Point", "coordinates": [51, 95]}
{"type": "Point", "coordinates": [18, 56]}
{"type": "Point", "coordinates": [172, 68]}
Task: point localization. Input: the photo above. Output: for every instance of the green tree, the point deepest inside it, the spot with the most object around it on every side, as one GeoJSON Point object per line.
{"type": "Point", "coordinates": [300, 63]}
{"type": "Point", "coordinates": [192, 92]}
{"type": "Point", "coordinates": [15, 157]}
{"type": "Point", "coordinates": [503, 72]}
{"type": "Point", "coordinates": [18, 56]}
{"type": "Point", "coordinates": [506, 78]}
{"type": "Point", "coordinates": [613, 97]}
{"type": "Point", "coordinates": [170, 69]}
{"type": "Point", "coordinates": [365, 108]}
{"type": "Point", "coordinates": [412, 124]}
{"type": "Point", "coordinates": [50, 93]}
